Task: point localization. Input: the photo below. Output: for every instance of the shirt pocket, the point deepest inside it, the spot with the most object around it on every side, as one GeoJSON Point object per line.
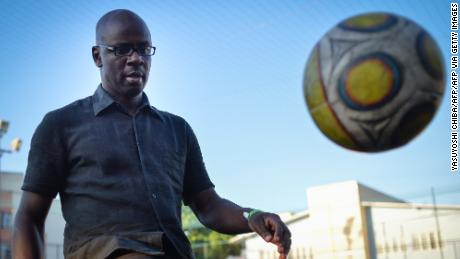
{"type": "Point", "coordinates": [174, 167]}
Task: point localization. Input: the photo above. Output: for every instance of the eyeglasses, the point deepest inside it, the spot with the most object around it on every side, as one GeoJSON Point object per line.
{"type": "Point", "coordinates": [128, 49]}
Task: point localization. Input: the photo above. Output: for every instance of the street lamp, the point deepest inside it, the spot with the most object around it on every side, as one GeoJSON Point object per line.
{"type": "Point", "coordinates": [15, 143]}
{"type": "Point", "coordinates": [3, 127]}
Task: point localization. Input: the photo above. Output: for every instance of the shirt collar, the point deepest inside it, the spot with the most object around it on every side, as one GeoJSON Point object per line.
{"type": "Point", "coordinates": [102, 100]}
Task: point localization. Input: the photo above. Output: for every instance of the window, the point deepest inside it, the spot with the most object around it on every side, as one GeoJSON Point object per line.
{"type": "Point", "coordinates": [424, 242]}
{"type": "Point", "coordinates": [432, 241]}
{"type": "Point", "coordinates": [395, 245]}
{"type": "Point", "coordinates": [5, 251]}
{"type": "Point", "coordinates": [387, 248]}
{"type": "Point", "coordinates": [5, 220]}
{"type": "Point", "coordinates": [415, 243]}
{"type": "Point", "coordinates": [310, 254]}
{"type": "Point", "coordinates": [403, 245]}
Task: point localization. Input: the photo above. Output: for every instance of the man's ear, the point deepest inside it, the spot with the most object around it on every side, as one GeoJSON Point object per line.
{"type": "Point", "coordinates": [97, 56]}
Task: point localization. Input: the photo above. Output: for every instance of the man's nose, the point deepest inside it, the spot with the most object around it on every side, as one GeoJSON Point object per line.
{"type": "Point", "coordinates": [135, 58]}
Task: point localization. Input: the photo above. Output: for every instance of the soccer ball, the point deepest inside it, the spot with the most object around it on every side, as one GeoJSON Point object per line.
{"type": "Point", "coordinates": [374, 82]}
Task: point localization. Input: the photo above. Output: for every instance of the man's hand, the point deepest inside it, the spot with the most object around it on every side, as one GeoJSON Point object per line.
{"type": "Point", "coordinates": [226, 217]}
{"type": "Point", "coordinates": [270, 227]}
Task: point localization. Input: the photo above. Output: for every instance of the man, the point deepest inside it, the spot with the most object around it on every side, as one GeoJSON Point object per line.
{"type": "Point", "coordinates": [122, 167]}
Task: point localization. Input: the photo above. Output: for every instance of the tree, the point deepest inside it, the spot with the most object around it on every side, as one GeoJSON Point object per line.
{"type": "Point", "coordinates": [207, 243]}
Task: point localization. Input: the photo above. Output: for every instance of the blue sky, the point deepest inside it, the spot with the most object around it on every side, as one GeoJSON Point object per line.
{"type": "Point", "coordinates": [233, 70]}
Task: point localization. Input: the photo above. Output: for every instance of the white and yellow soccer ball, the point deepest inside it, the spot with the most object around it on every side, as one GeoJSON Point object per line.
{"type": "Point", "coordinates": [374, 82]}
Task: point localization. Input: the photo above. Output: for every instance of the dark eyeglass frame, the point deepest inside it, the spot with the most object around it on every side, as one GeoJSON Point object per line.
{"type": "Point", "coordinates": [116, 50]}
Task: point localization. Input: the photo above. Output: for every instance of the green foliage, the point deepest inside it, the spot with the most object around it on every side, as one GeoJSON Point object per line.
{"type": "Point", "coordinates": [206, 243]}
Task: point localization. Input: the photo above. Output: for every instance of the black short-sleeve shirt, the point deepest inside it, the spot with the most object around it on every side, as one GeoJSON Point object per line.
{"type": "Point", "coordinates": [116, 174]}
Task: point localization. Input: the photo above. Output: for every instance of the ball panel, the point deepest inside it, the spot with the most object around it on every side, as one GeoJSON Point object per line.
{"type": "Point", "coordinates": [318, 106]}
{"type": "Point", "coordinates": [313, 90]}
{"type": "Point", "coordinates": [429, 55]}
{"type": "Point", "coordinates": [369, 82]}
{"type": "Point", "coordinates": [373, 22]}
{"type": "Point", "coordinates": [327, 122]}
{"type": "Point", "coordinates": [413, 122]}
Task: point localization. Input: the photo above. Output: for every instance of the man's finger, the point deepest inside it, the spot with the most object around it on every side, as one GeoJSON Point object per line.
{"type": "Point", "coordinates": [265, 234]}
{"type": "Point", "coordinates": [279, 232]}
{"type": "Point", "coordinates": [287, 243]}
{"type": "Point", "coordinates": [259, 227]}
{"type": "Point", "coordinates": [281, 249]}
{"type": "Point", "coordinates": [284, 244]}
{"type": "Point", "coordinates": [275, 227]}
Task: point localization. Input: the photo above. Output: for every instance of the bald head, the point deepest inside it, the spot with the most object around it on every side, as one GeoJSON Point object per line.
{"type": "Point", "coordinates": [116, 20]}
{"type": "Point", "coordinates": [123, 76]}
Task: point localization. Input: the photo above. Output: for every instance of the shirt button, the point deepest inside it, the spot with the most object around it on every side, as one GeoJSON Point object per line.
{"type": "Point", "coordinates": [154, 196]}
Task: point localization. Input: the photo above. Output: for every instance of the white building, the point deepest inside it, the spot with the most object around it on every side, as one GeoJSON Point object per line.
{"type": "Point", "coordinates": [10, 196]}
{"type": "Point", "coordinates": [351, 221]}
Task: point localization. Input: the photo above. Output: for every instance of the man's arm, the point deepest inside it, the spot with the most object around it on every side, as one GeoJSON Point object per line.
{"type": "Point", "coordinates": [227, 217]}
{"type": "Point", "coordinates": [28, 233]}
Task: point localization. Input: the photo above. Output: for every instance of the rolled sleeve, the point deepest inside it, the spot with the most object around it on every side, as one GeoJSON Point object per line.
{"type": "Point", "coordinates": [46, 162]}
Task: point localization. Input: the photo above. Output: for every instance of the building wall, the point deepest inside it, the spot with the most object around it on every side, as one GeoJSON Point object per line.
{"type": "Point", "coordinates": [9, 201]}
{"type": "Point", "coordinates": [412, 232]}
{"type": "Point", "coordinates": [10, 196]}
{"type": "Point", "coordinates": [333, 228]}
{"type": "Point", "coordinates": [337, 221]}
{"type": "Point", "coordinates": [351, 221]}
